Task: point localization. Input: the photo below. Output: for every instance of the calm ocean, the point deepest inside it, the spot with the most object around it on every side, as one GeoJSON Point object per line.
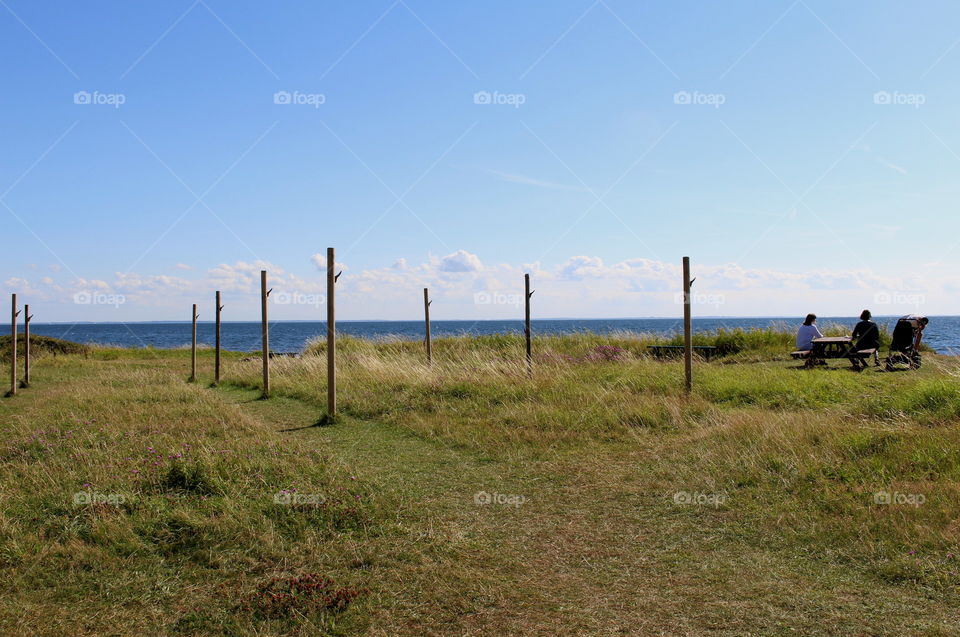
{"type": "Point", "coordinates": [943, 334]}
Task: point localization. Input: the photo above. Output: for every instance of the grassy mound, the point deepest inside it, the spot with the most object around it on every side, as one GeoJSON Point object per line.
{"type": "Point", "coordinates": [41, 345]}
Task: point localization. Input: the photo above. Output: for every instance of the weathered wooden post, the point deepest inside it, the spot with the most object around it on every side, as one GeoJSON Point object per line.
{"type": "Point", "coordinates": [526, 329]}
{"type": "Point", "coordinates": [26, 345]}
{"type": "Point", "coordinates": [687, 328]}
{"type": "Point", "coordinates": [265, 332]}
{"type": "Point", "coordinates": [193, 347]}
{"type": "Point", "coordinates": [332, 277]}
{"type": "Point", "coordinates": [216, 359]}
{"type": "Point", "coordinates": [426, 318]}
{"type": "Point", "coordinates": [13, 347]}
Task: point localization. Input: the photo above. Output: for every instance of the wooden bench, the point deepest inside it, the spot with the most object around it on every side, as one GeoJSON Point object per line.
{"type": "Point", "coordinates": [664, 351]}
{"type": "Point", "coordinates": [859, 357]}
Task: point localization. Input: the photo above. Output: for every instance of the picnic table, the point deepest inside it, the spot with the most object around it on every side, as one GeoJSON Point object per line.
{"type": "Point", "coordinates": [663, 351]}
{"type": "Point", "coordinates": [832, 347]}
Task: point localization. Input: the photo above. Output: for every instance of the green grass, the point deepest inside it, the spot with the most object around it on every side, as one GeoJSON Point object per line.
{"type": "Point", "coordinates": [196, 527]}
{"type": "Point", "coordinates": [40, 346]}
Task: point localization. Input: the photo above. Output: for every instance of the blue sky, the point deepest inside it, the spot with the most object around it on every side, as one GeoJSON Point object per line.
{"type": "Point", "coordinates": [804, 154]}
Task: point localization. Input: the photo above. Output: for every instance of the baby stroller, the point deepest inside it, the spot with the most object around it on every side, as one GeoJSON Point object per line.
{"type": "Point", "coordinates": [905, 343]}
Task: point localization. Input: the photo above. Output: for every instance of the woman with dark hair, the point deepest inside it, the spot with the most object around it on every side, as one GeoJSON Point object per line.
{"type": "Point", "coordinates": [866, 335]}
{"type": "Point", "coordinates": [807, 332]}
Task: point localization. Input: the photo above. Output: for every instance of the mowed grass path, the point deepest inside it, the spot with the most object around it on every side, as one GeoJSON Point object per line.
{"type": "Point", "coordinates": [599, 545]}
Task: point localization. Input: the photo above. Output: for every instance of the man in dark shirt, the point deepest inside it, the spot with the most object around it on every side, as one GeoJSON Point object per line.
{"type": "Point", "coordinates": [866, 335]}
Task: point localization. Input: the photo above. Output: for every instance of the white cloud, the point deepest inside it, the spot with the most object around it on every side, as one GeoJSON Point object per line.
{"type": "Point", "coordinates": [581, 286]}
{"type": "Point", "coordinates": [530, 181]}
{"type": "Point", "coordinates": [581, 267]}
{"type": "Point", "coordinates": [183, 266]}
{"type": "Point", "coordinates": [892, 166]}
{"type": "Point", "coordinates": [242, 275]}
{"type": "Point", "coordinates": [14, 283]}
{"type": "Point", "coordinates": [460, 261]}
{"type": "Point", "coordinates": [320, 260]}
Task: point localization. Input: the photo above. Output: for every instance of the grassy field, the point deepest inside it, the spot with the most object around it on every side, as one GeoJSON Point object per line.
{"type": "Point", "coordinates": [464, 498]}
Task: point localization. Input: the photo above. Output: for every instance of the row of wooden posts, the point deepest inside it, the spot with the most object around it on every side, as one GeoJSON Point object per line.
{"type": "Point", "coordinates": [332, 276]}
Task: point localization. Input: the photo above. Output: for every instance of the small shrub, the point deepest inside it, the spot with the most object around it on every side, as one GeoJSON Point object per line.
{"type": "Point", "coordinates": [190, 478]}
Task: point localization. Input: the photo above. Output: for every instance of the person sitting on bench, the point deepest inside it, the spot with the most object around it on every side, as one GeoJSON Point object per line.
{"type": "Point", "coordinates": [866, 335]}
{"type": "Point", "coordinates": [807, 332]}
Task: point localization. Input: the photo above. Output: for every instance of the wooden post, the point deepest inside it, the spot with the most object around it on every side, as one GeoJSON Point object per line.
{"type": "Point", "coordinates": [687, 328]}
{"type": "Point", "coordinates": [26, 345]}
{"type": "Point", "coordinates": [526, 323]}
{"type": "Point", "coordinates": [13, 344]}
{"type": "Point", "coordinates": [332, 277]}
{"type": "Point", "coordinates": [265, 331]}
{"type": "Point", "coordinates": [216, 359]}
{"type": "Point", "coordinates": [426, 318]}
{"type": "Point", "coordinates": [193, 347]}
